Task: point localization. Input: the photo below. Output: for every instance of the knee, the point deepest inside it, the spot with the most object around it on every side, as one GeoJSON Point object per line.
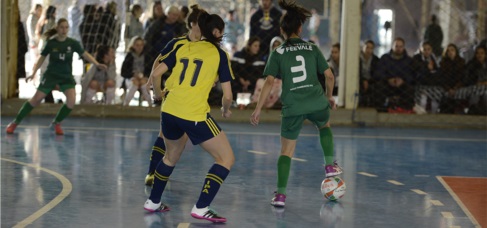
{"type": "Point", "coordinates": [93, 85]}
{"type": "Point", "coordinates": [110, 83]}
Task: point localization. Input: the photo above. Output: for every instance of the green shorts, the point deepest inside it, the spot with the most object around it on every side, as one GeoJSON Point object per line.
{"type": "Point", "coordinates": [291, 125]}
{"type": "Point", "coordinates": [48, 83]}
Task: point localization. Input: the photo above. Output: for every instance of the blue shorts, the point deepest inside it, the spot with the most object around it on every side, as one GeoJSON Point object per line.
{"type": "Point", "coordinates": [174, 128]}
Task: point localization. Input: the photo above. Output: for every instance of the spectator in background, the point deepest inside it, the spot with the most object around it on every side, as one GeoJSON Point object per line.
{"type": "Point", "coordinates": [276, 89]}
{"type": "Point", "coordinates": [233, 29]}
{"type": "Point", "coordinates": [163, 30]}
{"type": "Point", "coordinates": [22, 48]}
{"type": "Point", "coordinates": [452, 68]}
{"type": "Point", "coordinates": [367, 68]}
{"type": "Point", "coordinates": [314, 24]}
{"type": "Point", "coordinates": [476, 80]}
{"type": "Point", "coordinates": [111, 35]}
{"type": "Point", "coordinates": [136, 68]}
{"type": "Point", "coordinates": [32, 21]}
{"type": "Point", "coordinates": [184, 14]}
{"type": "Point", "coordinates": [134, 27]}
{"type": "Point", "coordinates": [91, 28]}
{"type": "Point", "coordinates": [264, 24]}
{"type": "Point", "coordinates": [334, 63]}
{"type": "Point", "coordinates": [46, 23]}
{"type": "Point", "coordinates": [74, 19]}
{"type": "Point", "coordinates": [434, 35]}
{"type": "Point", "coordinates": [155, 12]}
{"type": "Point", "coordinates": [95, 79]}
{"type": "Point", "coordinates": [247, 66]}
{"type": "Point", "coordinates": [395, 74]}
{"type": "Point", "coordinates": [428, 89]}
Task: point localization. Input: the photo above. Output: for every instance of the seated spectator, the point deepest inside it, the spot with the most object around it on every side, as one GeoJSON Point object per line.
{"type": "Point", "coordinates": [476, 82]}
{"type": "Point", "coordinates": [395, 76]}
{"type": "Point", "coordinates": [95, 80]}
{"type": "Point", "coordinates": [276, 90]}
{"type": "Point", "coordinates": [368, 65]}
{"type": "Point", "coordinates": [452, 71]}
{"type": "Point", "coordinates": [247, 67]}
{"type": "Point", "coordinates": [334, 63]}
{"type": "Point", "coordinates": [428, 89]}
{"type": "Point", "coordinates": [136, 69]}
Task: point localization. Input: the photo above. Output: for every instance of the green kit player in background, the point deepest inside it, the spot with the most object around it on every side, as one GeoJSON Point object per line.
{"type": "Point", "coordinates": [298, 63]}
{"type": "Point", "coordinates": [60, 49]}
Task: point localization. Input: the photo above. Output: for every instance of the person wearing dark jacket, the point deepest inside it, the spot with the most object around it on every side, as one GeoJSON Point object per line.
{"type": "Point", "coordinates": [434, 35]}
{"type": "Point", "coordinates": [264, 24]}
{"type": "Point", "coordinates": [136, 69]}
{"type": "Point", "coordinates": [247, 66]}
{"type": "Point", "coordinates": [367, 68]}
{"type": "Point", "coordinates": [428, 90]}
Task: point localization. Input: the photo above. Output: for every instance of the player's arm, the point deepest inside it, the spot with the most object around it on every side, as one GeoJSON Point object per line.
{"type": "Point", "coordinates": [266, 90]}
{"type": "Point", "coordinates": [36, 67]}
{"type": "Point", "coordinates": [330, 82]}
{"type": "Point", "coordinates": [227, 98]}
{"type": "Point", "coordinates": [154, 81]}
{"type": "Point", "coordinates": [156, 75]}
{"type": "Point", "coordinates": [90, 59]}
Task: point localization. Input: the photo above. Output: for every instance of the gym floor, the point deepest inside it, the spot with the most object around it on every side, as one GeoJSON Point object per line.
{"type": "Point", "coordinates": [93, 176]}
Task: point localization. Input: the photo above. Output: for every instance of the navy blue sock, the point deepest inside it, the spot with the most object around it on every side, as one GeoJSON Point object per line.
{"type": "Point", "coordinates": [214, 179]}
{"type": "Point", "coordinates": [161, 176]}
{"type": "Point", "coordinates": [158, 151]}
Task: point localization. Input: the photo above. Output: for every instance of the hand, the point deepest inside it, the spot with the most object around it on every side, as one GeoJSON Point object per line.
{"type": "Point", "coordinates": [254, 118]}
{"type": "Point", "coordinates": [29, 78]}
{"type": "Point", "coordinates": [102, 66]}
{"type": "Point", "coordinates": [226, 114]}
{"type": "Point", "coordinates": [331, 100]}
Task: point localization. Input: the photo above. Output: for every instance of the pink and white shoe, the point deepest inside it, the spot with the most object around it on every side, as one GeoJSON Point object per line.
{"type": "Point", "coordinates": [207, 214]}
{"type": "Point", "coordinates": [155, 207]}
{"type": "Point", "coordinates": [333, 170]}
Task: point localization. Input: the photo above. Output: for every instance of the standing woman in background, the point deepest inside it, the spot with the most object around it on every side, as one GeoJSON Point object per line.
{"type": "Point", "coordinates": [59, 73]}
{"type": "Point", "coordinates": [298, 64]}
{"type": "Point", "coordinates": [45, 23]}
{"type": "Point", "coordinates": [195, 68]}
{"type": "Point", "coordinates": [31, 25]}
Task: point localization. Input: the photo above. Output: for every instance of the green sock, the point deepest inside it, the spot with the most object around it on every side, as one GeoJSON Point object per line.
{"type": "Point", "coordinates": [23, 112]}
{"type": "Point", "coordinates": [63, 112]}
{"type": "Point", "coordinates": [326, 140]}
{"type": "Point", "coordinates": [283, 167]}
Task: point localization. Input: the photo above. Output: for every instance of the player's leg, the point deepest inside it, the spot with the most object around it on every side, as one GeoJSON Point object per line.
{"type": "Point", "coordinates": [215, 142]}
{"type": "Point", "coordinates": [28, 106]}
{"type": "Point", "coordinates": [321, 120]}
{"type": "Point", "coordinates": [175, 140]}
{"type": "Point", "coordinates": [290, 128]}
{"type": "Point", "coordinates": [70, 93]}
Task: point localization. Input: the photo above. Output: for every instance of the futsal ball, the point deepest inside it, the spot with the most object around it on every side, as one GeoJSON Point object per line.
{"type": "Point", "coordinates": [333, 188]}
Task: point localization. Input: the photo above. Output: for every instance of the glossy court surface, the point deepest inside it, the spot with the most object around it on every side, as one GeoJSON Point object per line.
{"type": "Point", "coordinates": [93, 176]}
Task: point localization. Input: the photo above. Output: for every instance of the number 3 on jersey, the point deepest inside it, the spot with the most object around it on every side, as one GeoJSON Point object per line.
{"type": "Point", "coordinates": [300, 68]}
{"type": "Point", "coordinates": [196, 72]}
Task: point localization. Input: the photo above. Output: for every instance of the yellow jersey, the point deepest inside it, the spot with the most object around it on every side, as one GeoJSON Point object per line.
{"type": "Point", "coordinates": [195, 67]}
{"type": "Point", "coordinates": [174, 43]}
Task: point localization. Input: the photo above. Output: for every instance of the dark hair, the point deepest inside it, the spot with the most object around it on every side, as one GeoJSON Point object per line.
{"type": "Point", "coordinates": [101, 51]}
{"type": "Point", "coordinates": [445, 52]}
{"type": "Point", "coordinates": [251, 40]}
{"type": "Point", "coordinates": [53, 31]}
{"type": "Point", "coordinates": [50, 12]}
{"type": "Point", "coordinates": [184, 11]}
{"type": "Point", "coordinates": [369, 42]}
{"type": "Point", "coordinates": [336, 45]}
{"type": "Point", "coordinates": [294, 17]}
{"type": "Point", "coordinates": [208, 23]}
{"type": "Point", "coordinates": [425, 43]}
{"type": "Point", "coordinates": [399, 39]}
{"type": "Point", "coordinates": [434, 19]}
{"type": "Point", "coordinates": [193, 16]}
{"type": "Point", "coordinates": [134, 8]}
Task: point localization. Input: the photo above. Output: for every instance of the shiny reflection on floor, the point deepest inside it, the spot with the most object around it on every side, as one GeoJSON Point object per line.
{"type": "Point", "coordinates": [391, 176]}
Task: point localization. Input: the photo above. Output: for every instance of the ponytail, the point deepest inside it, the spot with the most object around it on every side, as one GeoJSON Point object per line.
{"type": "Point", "coordinates": [207, 24]}
{"type": "Point", "coordinates": [193, 16]}
{"type": "Point", "coordinates": [294, 17]}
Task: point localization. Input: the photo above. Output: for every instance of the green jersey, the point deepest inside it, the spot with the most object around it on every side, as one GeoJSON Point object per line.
{"type": "Point", "coordinates": [298, 64]}
{"type": "Point", "coordinates": [61, 56]}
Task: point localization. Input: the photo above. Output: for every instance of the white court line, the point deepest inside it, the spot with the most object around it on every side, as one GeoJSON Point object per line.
{"type": "Point", "coordinates": [257, 152]}
{"type": "Point", "coordinates": [278, 134]}
{"type": "Point", "coordinates": [419, 192]}
{"type": "Point", "coordinates": [66, 190]}
{"type": "Point", "coordinates": [367, 174]}
{"type": "Point", "coordinates": [447, 214]}
{"type": "Point", "coordinates": [437, 203]}
{"type": "Point", "coordinates": [459, 202]}
{"type": "Point", "coordinates": [395, 182]}
{"type": "Point", "coordinates": [125, 136]}
{"type": "Point", "coordinates": [184, 225]}
{"type": "Point", "coordinates": [299, 159]}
